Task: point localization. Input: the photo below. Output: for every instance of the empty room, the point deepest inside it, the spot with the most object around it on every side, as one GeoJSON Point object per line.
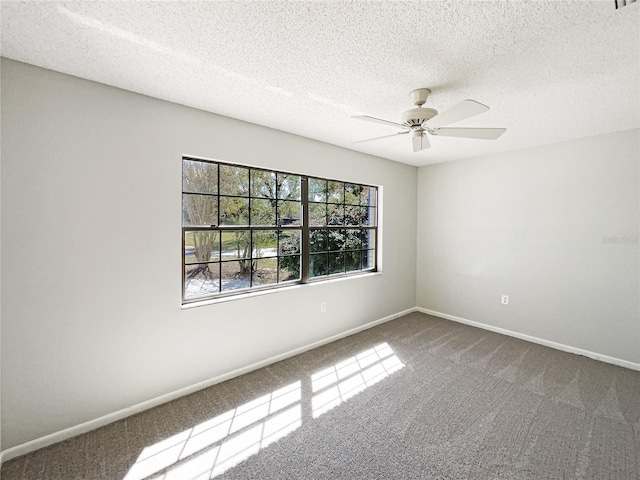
{"type": "Point", "coordinates": [320, 240]}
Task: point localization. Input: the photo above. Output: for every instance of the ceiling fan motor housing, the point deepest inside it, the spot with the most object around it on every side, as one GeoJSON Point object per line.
{"type": "Point", "coordinates": [417, 116]}
{"type": "Point", "coordinates": [419, 96]}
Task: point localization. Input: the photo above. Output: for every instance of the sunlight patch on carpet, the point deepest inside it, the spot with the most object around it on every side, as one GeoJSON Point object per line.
{"type": "Point", "coordinates": [212, 447]}
{"type": "Point", "coordinates": [338, 383]}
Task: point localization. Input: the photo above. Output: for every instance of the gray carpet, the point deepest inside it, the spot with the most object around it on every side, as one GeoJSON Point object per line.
{"type": "Point", "coordinates": [416, 398]}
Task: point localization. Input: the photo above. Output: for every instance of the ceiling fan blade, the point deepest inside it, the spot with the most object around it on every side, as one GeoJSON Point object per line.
{"type": "Point", "coordinates": [420, 142]}
{"type": "Point", "coordinates": [479, 133]}
{"type": "Point", "coordinates": [384, 136]}
{"type": "Point", "coordinates": [461, 111]}
{"type": "Point", "coordinates": [380, 120]}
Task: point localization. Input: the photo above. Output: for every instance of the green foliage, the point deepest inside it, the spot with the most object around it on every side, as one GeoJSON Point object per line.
{"type": "Point", "coordinates": [275, 201]}
{"type": "Point", "coordinates": [263, 184]}
{"type": "Point", "coordinates": [289, 268]}
{"type": "Point", "coordinates": [289, 248]}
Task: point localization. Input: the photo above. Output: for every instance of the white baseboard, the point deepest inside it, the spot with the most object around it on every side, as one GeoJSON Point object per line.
{"type": "Point", "coordinates": [70, 432]}
{"type": "Point", "coordinates": [67, 433]}
{"type": "Point", "coordinates": [548, 343]}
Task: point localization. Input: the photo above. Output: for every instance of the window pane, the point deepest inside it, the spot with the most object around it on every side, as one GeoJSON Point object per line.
{"type": "Point", "coordinates": [318, 240]}
{"type": "Point", "coordinates": [368, 238]}
{"type": "Point", "coordinates": [368, 216]}
{"type": "Point", "coordinates": [335, 192]}
{"type": "Point", "coordinates": [236, 274]}
{"type": "Point", "coordinates": [199, 177]}
{"type": "Point", "coordinates": [335, 214]}
{"type": "Point", "coordinates": [234, 180]}
{"type": "Point", "coordinates": [199, 210]}
{"type": "Point", "coordinates": [263, 184]}
{"type": "Point", "coordinates": [201, 246]}
{"type": "Point", "coordinates": [235, 244]}
{"type": "Point", "coordinates": [264, 243]}
{"type": "Point", "coordinates": [336, 263]}
{"type": "Point", "coordinates": [263, 212]}
{"type": "Point", "coordinates": [353, 239]}
{"type": "Point", "coordinates": [352, 215]}
{"type": "Point", "coordinates": [336, 240]}
{"type": "Point", "coordinates": [289, 242]}
{"type": "Point", "coordinates": [234, 211]}
{"type": "Point", "coordinates": [201, 280]}
{"type": "Point", "coordinates": [317, 190]}
{"type": "Point", "coordinates": [317, 214]}
{"type": "Point", "coordinates": [364, 216]}
{"type": "Point", "coordinates": [352, 261]}
{"type": "Point", "coordinates": [352, 193]}
{"type": "Point", "coordinates": [288, 187]}
{"type": "Point", "coordinates": [317, 264]}
{"type": "Point", "coordinates": [367, 196]}
{"type": "Point", "coordinates": [288, 213]}
{"type": "Point", "coordinates": [289, 268]}
{"type": "Point", "coordinates": [368, 259]}
{"type": "Point", "coordinates": [265, 271]}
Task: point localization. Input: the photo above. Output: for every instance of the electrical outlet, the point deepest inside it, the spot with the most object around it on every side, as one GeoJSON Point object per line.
{"type": "Point", "coordinates": [505, 299]}
{"type": "Point", "coordinates": [323, 307]}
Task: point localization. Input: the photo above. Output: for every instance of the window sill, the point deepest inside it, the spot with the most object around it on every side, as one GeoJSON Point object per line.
{"type": "Point", "coordinates": [242, 296]}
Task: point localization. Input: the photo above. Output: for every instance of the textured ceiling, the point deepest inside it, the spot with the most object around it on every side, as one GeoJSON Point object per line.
{"type": "Point", "coordinates": [549, 70]}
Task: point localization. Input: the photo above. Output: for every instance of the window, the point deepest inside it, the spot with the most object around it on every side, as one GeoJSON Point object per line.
{"type": "Point", "coordinates": [246, 229]}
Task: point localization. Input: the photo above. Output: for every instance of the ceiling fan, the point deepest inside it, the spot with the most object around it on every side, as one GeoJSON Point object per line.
{"type": "Point", "coordinates": [420, 121]}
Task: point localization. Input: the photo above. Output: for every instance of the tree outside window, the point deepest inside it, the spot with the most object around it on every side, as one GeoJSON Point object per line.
{"type": "Point", "coordinates": [244, 229]}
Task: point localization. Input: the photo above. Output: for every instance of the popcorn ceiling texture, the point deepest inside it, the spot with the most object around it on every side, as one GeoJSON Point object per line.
{"type": "Point", "coordinates": [550, 70]}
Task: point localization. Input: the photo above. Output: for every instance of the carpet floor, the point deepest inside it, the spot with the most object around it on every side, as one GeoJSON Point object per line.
{"type": "Point", "coordinates": [416, 398]}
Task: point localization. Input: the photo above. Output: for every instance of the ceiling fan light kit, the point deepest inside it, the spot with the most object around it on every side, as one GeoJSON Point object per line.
{"type": "Point", "coordinates": [419, 121]}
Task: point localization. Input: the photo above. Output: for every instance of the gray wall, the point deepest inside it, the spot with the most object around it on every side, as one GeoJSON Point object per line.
{"type": "Point", "coordinates": [91, 212]}
{"type": "Point", "coordinates": [554, 227]}
{"type": "Point", "coordinates": [90, 225]}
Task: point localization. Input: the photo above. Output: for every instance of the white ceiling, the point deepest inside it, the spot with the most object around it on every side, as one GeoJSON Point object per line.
{"type": "Point", "coordinates": [550, 70]}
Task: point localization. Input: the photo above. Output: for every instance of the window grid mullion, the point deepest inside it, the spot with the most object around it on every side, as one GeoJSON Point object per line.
{"type": "Point", "coordinates": [250, 233]}
{"type": "Point", "coordinates": [219, 236]}
{"type": "Point", "coordinates": [339, 207]}
{"type": "Point", "coordinates": [304, 248]}
{"type": "Point", "coordinates": [278, 256]}
{"type": "Point", "coordinates": [276, 197]}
